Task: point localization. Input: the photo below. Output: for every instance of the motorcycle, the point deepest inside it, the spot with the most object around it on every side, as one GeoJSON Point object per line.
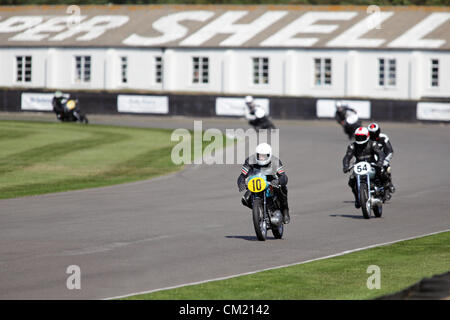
{"type": "Point", "coordinates": [261, 121]}
{"type": "Point", "coordinates": [72, 112]}
{"type": "Point", "coordinates": [266, 211]}
{"type": "Point", "coordinates": [371, 193]}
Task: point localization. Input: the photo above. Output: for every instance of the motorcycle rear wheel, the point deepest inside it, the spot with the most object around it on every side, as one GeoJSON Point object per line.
{"type": "Point", "coordinates": [378, 211]}
{"type": "Point", "coordinates": [258, 220]}
{"type": "Point", "coordinates": [278, 231]}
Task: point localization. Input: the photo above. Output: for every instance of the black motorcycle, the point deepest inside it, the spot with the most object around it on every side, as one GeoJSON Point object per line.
{"type": "Point", "coordinates": [371, 192]}
{"type": "Point", "coordinates": [71, 112]}
{"type": "Point", "coordinates": [262, 123]}
{"type": "Point", "coordinates": [266, 210]}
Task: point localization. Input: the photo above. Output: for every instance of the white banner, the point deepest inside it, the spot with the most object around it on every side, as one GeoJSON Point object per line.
{"type": "Point", "coordinates": [326, 108]}
{"type": "Point", "coordinates": [37, 101]}
{"type": "Point", "coordinates": [438, 111]}
{"type": "Point", "coordinates": [143, 104]}
{"type": "Point", "coordinates": [236, 106]}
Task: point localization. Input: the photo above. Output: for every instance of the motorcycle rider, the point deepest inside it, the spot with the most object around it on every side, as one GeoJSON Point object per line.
{"type": "Point", "coordinates": [385, 144]}
{"type": "Point", "coordinates": [347, 117]}
{"type": "Point", "coordinates": [264, 160]}
{"type": "Point", "coordinates": [256, 115]}
{"type": "Point", "coordinates": [58, 106]}
{"type": "Point", "coordinates": [363, 149]}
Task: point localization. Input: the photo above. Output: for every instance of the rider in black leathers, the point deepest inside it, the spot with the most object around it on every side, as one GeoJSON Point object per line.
{"type": "Point", "coordinates": [385, 144]}
{"type": "Point", "coordinates": [256, 115]}
{"type": "Point", "coordinates": [58, 106]}
{"type": "Point", "coordinates": [363, 149]}
{"type": "Point", "coordinates": [340, 115]}
{"type": "Point", "coordinates": [277, 177]}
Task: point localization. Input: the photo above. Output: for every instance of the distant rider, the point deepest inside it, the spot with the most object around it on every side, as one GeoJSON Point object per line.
{"type": "Point", "coordinates": [256, 115]}
{"type": "Point", "coordinates": [58, 105]}
{"type": "Point", "coordinates": [385, 144]}
{"type": "Point", "coordinates": [363, 149]}
{"type": "Point", "coordinates": [347, 117]}
{"type": "Point", "coordinates": [273, 168]}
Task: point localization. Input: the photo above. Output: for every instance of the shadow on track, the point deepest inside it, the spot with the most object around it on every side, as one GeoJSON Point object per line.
{"type": "Point", "coordinates": [347, 216]}
{"type": "Point", "coordinates": [248, 238]}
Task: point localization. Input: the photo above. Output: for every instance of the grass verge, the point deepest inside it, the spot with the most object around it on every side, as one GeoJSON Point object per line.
{"type": "Point", "coordinates": [344, 277]}
{"type": "Point", "coordinates": [39, 158]}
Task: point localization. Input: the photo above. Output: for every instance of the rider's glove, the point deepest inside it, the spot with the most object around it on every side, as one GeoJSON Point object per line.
{"type": "Point", "coordinates": [345, 169]}
{"type": "Point", "coordinates": [385, 163]}
{"type": "Point", "coordinates": [275, 183]}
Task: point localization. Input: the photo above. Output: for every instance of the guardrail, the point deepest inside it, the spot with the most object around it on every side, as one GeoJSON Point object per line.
{"type": "Point", "coordinates": [206, 105]}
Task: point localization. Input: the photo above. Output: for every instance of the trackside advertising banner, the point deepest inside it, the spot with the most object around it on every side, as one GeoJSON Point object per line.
{"type": "Point", "coordinates": [36, 101]}
{"type": "Point", "coordinates": [143, 104]}
{"type": "Point", "coordinates": [326, 108]}
{"type": "Point", "coordinates": [236, 106]}
{"type": "Point", "coordinates": [433, 111]}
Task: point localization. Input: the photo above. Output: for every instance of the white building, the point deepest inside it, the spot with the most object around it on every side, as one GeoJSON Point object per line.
{"type": "Point", "coordinates": [396, 53]}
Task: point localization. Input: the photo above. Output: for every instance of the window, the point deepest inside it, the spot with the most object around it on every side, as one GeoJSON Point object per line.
{"type": "Point", "coordinates": [260, 70]}
{"type": "Point", "coordinates": [434, 72]}
{"type": "Point", "coordinates": [200, 70]}
{"type": "Point", "coordinates": [387, 70]}
{"type": "Point", "coordinates": [322, 71]}
{"type": "Point", "coordinates": [124, 69]}
{"type": "Point", "coordinates": [82, 69]}
{"type": "Point", "coordinates": [158, 69]}
{"type": "Point", "coordinates": [23, 64]}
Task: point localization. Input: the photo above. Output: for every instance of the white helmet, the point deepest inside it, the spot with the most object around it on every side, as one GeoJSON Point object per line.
{"type": "Point", "coordinates": [340, 104]}
{"type": "Point", "coordinates": [361, 135]}
{"type": "Point", "coordinates": [248, 99]}
{"type": "Point", "coordinates": [263, 154]}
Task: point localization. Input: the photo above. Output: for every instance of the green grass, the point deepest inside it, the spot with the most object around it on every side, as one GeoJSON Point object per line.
{"type": "Point", "coordinates": [402, 264]}
{"type": "Point", "coordinates": [39, 158]}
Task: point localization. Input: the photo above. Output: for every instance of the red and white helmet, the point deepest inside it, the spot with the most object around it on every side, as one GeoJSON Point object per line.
{"type": "Point", "coordinates": [361, 135]}
{"type": "Point", "coordinates": [374, 130]}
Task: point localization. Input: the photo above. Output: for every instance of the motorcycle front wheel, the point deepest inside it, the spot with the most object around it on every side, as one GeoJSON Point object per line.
{"type": "Point", "coordinates": [364, 198]}
{"type": "Point", "coordinates": [258, 220]}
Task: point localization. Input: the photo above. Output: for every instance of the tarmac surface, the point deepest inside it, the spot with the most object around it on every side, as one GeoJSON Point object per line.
{"type": "Point", "coordinates": [191, 226]}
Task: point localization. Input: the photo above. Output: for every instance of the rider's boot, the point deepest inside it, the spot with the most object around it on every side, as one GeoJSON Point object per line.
{"type": "Point", "coordinates": [246, 200]}
{"type": "Point", "coordinates": [391, 187]}
{"type": "Point", "coordinates": [355, 194]}
{"type": "Point", "coordinates": [286, 217]}
{"type": "Point", "coordinates": [284, 205]}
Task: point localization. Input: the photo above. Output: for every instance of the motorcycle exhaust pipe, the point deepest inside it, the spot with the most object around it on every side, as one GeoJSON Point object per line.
{"type": "Point", "coordinates": [375, 202]}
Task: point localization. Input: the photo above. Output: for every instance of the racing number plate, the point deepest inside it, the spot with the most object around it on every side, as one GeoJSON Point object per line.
{"type": "Point", "coordinates": [362, 168]}
{"type": "Point", "coordinates": [256, 185]}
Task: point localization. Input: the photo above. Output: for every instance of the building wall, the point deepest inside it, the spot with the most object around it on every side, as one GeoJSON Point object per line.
{"type": "Point", "coordinates": [291, 71]}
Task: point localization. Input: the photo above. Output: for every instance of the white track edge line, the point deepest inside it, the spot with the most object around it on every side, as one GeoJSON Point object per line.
{"type": "Point", "coordinates": [277, 267]}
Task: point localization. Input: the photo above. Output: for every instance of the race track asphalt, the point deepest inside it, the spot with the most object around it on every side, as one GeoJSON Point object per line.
{"type": "Point", "coordinates": [190, 226]}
